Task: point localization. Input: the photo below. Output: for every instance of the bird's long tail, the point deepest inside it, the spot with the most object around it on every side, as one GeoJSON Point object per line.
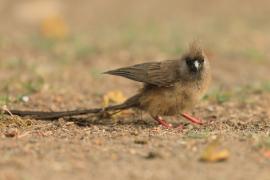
{"type": "Point", "coordinates": [129, 103]}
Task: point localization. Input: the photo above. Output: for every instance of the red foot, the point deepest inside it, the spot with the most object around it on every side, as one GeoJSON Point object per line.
{"type": "Point", "coordinates": [167, 125]}
{"type": "Point", "coordinates": [163, 122]}
{"type": "Point", "coordinates": [192, 119]}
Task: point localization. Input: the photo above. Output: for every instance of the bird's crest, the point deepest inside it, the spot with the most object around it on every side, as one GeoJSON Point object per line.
{"type": "Point", "coordinates": [195, 49]}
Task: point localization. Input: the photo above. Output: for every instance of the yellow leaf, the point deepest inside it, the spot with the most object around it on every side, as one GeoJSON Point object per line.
{"type": "Point", "coordinates": [116, 97]}
{"type": "Point", "coordinates": [54, 27]}
{"type": "Point", "coordinates": [212, 153]}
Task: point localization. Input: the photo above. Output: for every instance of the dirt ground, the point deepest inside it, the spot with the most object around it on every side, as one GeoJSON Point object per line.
{"type": "Point", "coordinates": [52, 56]}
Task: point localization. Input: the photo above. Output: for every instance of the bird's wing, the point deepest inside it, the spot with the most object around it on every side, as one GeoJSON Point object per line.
{"type": "Point", "coordinates": [154, 73]}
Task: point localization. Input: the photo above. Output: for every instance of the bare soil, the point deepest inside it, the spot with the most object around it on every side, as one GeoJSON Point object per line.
{"type": "Point", "coordinates": [65, 74]}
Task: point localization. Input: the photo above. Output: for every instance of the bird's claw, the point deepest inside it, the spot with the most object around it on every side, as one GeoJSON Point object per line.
{"type": "Point", "coordinates": [163, 123]}
{"type": "Point", "coordinates": [167, 125]}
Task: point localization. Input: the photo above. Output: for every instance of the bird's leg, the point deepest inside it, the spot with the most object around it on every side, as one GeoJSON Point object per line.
{"type": "Point", "coordinates": [192, 119]}
{"type": "Point", "coordinates": [162, 122]}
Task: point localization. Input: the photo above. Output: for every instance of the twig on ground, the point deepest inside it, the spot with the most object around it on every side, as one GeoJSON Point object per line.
{"type": "Point", "coordinates": [5, 109]}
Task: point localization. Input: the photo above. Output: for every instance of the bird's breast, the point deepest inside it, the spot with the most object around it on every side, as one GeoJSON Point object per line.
{"type": "Point", "coordinates": [168, 101]}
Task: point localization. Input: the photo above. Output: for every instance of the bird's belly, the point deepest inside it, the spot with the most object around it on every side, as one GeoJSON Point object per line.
{"type": "Point", "coordinates": [165, 101]}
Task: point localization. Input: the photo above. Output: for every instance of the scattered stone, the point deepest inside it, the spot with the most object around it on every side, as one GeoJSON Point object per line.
{"type": "Point", "coordinates": [25, 98]}
{"type": "Point", "coordinates": [134, 133]}
{"type": "Point", "coordinates": [153, 155]}
{"type": "Point", "coordinates": [141, 141]}
{"type": "Point", "coordinates": [12, 132]}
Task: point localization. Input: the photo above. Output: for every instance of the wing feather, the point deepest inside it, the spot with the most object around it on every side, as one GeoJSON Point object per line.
{"type": "Point", "coordinates": [153, 73]}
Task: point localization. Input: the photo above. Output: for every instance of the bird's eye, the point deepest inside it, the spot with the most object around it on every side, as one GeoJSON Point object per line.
{"type": "Point", "coordinates": [188, 60]}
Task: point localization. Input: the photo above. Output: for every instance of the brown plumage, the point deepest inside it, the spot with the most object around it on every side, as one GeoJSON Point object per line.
{"type": "Point", "coordinates": [171, 87]}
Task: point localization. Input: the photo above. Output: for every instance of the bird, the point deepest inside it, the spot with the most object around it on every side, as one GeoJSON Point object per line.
{"type": "Point", "coordinates": [170, 88]}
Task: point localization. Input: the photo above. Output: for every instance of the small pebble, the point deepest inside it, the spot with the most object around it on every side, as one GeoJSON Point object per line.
{"type": "Point", "coordinates": [134, 133]}
{"type": "Point", "coordinates": [153, 155]}
{"type": "Point", "coordinates": [12, 132]}
{"type": "Point", "coordinates": [25, 98]}
{"type": "Point", "coordinates": [141, 141]}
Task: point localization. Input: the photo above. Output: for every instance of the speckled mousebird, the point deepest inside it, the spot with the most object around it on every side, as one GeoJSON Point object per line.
{"type": "Point", "coordinates": [171, 87]}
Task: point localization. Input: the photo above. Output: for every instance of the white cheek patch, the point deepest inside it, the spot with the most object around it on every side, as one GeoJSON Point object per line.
{"type": "Point", "coordinates": [196, 64]}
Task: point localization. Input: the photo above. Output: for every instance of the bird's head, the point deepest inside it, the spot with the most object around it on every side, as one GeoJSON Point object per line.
{"type": "Point", "coordinates": [194, 63]}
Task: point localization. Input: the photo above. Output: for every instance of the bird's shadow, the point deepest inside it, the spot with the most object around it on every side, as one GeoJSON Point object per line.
{"type": "Point", "coordinates": [135, 121]}
{"type": "Point", "coordinates": [85, 121]}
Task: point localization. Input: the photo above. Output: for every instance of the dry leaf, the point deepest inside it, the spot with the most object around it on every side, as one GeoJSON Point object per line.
{"type": "Point", "coordinates": [54, 27]}
{"type": "Point", "coordinates": [113, 97]}
{"type": "Point", "coordinates": [213, 153]}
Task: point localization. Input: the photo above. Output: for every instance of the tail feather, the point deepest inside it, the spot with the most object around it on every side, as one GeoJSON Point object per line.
{"type": "Point", "coordinates": [131, 102]}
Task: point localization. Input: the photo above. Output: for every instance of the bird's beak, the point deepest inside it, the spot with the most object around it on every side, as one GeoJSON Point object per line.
{"type": "Point", "coordinates": [196, 64]}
